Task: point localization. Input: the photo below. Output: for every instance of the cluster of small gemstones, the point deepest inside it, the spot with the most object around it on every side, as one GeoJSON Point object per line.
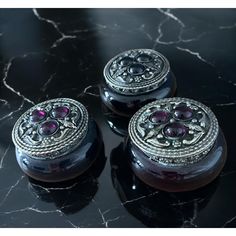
{"type": "Point", "coordinates": [50, 126]}
{"type": "Point", "coordinates": [175, 129]}
{"type": "Point", "coordinates": [134, 64]}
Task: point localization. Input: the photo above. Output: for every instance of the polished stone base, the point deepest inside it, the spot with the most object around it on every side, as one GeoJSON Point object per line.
{"type": "Point", "coordinates": [78, 192]}
{"type": "Point", "coordinates": [118, 124]}
{"type": "Point", "coordinates": [179, 178]}
{"type": "Point", "coordinates": [65, 167]}
{"type": "Point", "coordinates": [127, 105]}
{"type": "Point", "coordinates": [152, 207]}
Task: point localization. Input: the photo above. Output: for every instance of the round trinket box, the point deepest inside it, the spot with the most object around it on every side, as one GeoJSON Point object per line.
{"type": "Point", "coordinates": [176, 144]}
{"type": "Point", "coordinates": [134, 78]}
{"type": "Point", "coordinates": [56, 140]}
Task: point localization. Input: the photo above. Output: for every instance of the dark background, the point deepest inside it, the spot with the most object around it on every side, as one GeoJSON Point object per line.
{"type": "Point", "coordinates": [46, 54]}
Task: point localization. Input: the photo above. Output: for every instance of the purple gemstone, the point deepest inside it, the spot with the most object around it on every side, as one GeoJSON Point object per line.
{"type": "Point", "coordinates": [144, 58]}
{"type": "Point", "coordinates": [183, 112]}
{"type": "Point", "coordinates": [38, 115]}
{"type": "Point", "coordinates": [159, 117]}
{"type": "Point", "coordinates": [136, 69]}
{"type": "Point", "coordinates": [48, 128]}
{"type": "Point", "coordinates": [175, 130]}
{"type": "Point", "coordinates": [125, 61]}
{"type": "Point", "coordinates": [60, 112]}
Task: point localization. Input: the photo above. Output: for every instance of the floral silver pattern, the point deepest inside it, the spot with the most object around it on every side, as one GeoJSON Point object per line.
{"type": "Point", "coordinates": [136, 71]}
{"type": "Point", "coordinates": [190, 139]}
{"type": "Point", "coordinates": [67, 130]}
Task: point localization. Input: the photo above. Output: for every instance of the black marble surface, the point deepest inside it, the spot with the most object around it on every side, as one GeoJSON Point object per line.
{"type": "Point", "coordinates": [61, 53]}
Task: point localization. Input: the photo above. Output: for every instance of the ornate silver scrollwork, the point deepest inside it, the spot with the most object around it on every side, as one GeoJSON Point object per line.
{"type": "Point", "coordinates": [175, 140]}
{"type": "Point", "coordinates": [136, 71]}
{"type": "Point", "coordinates": [51, 136]}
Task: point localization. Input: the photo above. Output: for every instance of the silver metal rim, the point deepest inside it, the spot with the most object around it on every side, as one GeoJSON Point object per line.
{"type": "Point", "coordinates": [175, 155]}
{"type": "Point", "coordinates": [138, 87]}
{"type": "Point", "coordinates": [74, 131]}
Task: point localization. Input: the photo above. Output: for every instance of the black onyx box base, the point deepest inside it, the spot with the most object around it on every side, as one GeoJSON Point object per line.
{"type": "Point", "coordinates": [127, 105]}
{"type": "Point", "coordinates": [158, 208]}
{"type": "Point", "coordinates": [178, 178]}
{"type": "Point", "coordinates": [68, 166]}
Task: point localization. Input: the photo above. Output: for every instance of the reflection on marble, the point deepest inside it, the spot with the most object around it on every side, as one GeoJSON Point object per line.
{"type": "Point", "coordinates": [118, 124]}
{"type": "Point", "coordinates": [73, 195]}
{"type": "Point", "coordinates": [49, 53]}
{"type": "Point", "coordinates": [178, 178]}
{"type": "Point", "coordinates": [157, 208]}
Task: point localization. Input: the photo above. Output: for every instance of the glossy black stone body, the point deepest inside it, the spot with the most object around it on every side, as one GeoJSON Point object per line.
{"type": "Point", "coordinates": [158, 208]}
{"type": "Point", "coordinates": [127, 105]}
{"type": "Point", "coordinates": [39, 63]}
{"type": "Point", "coordinates": [118, 124]}
{"type": "Point", "coordinates": [65, 167]}
{"type": "Point", "coordinates": [78, 192]}
{"type": "Point", "coordinates": [179, 178]}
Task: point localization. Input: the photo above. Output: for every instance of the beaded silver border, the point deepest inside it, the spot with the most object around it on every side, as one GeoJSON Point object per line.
{"type": "Point", "coordinates": [59, 148]}
{"type": "Point", "coordinates": [142, 87]}
{"type": "Point", "coordinates": [177, 156]}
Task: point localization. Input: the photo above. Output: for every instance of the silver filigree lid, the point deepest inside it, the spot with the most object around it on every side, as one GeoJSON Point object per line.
{"type": "Point", "coordinates": [136, 71]}
{"type": "Point", "coordinates": [51, 129]}
{"type": "Point", "coordinates": [174, 131]}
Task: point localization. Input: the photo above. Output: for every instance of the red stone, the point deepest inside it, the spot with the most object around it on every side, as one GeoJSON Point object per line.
{"type": "Point", "coordinates": [159, 117]}
{"type": "Point", "coordinates": [183, 112]}
{"type": "Point", "coordinates": [48, 128]}
{"type": "Point", "coordinates": [38, 115]}
{"type": "Point", "coordinates": [175, 130]}
{"type": "Point", "coordinates": [60, 112]}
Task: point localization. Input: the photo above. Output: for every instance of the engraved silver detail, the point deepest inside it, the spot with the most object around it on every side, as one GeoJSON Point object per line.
{"type": "Point", "coordinates": [202, 131]}
{"type": "Point", "coordinates": [70, 133]}
{"type": "Point", "coordinates": [153, 72]}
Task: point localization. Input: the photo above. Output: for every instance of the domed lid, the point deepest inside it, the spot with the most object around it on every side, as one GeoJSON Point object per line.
{"type": "Point", "coordinates": [174, 131]}
{"type": "Point", "coordinates": [51, 128]}
{"type": "Point", "coordinates": [136, 71]}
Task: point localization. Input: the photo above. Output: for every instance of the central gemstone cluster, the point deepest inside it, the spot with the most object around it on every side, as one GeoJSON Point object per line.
{"type": "Point", "coordinates": [176, 128]}
{"type": "Point", "coordinates": [136, 69]}
{"type": "Point", "coordinates": [134, 64]}
{"type": "Point", "coordinates": [50, 126]}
